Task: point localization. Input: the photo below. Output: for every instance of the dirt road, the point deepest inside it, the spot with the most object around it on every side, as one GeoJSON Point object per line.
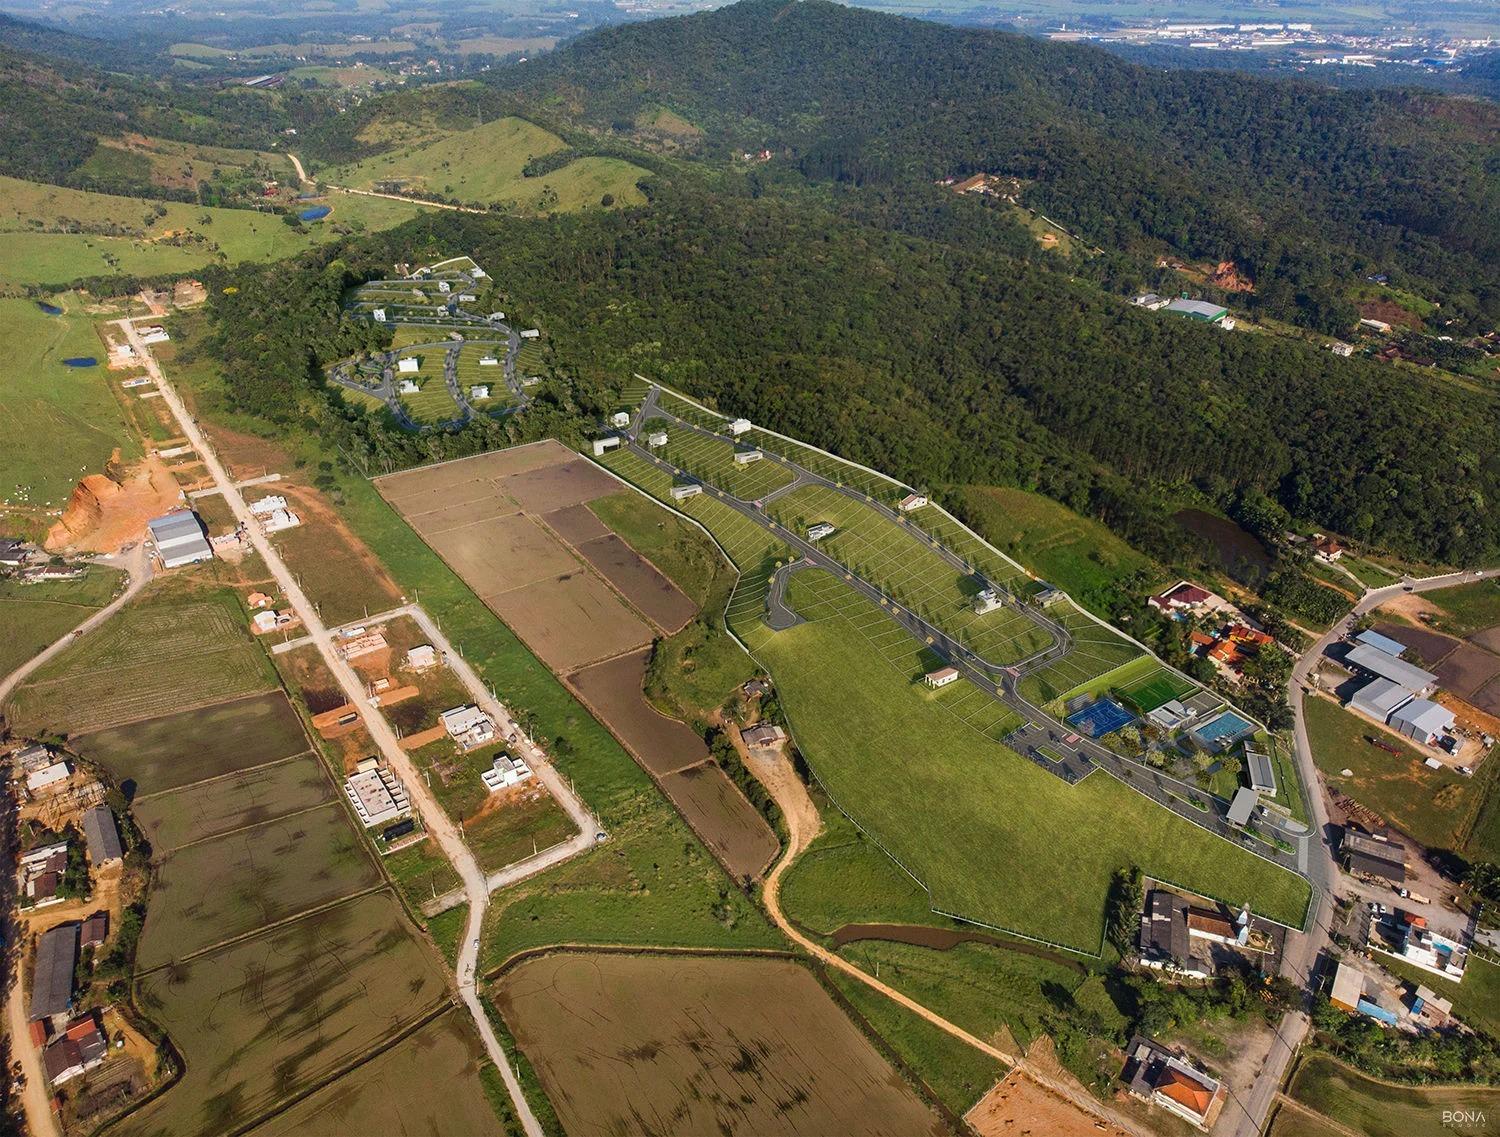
{"type": "Point", "coordinates": [439, 825]}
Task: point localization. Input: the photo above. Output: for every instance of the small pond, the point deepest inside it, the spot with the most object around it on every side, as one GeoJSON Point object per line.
{"type": "Point", "coordinates": [50, 309]}
{"type": "Point", "coordinates": [316, 213]}
{"type": "Point", "coordinates": [81, 361]}
{"type": "Point", "coordinates": [1235, 546]}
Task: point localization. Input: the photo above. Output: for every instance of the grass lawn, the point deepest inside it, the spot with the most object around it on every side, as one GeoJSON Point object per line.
{"type": "Point", "coordinates": [1468, 608]}
{"type": "Point", "coordinates": [1476, 1001]}
{"type": "Point", "coordinates": [1004, 809]}
{"type": "Point", "coordinates": [1369, 572]}
{"type": "Point", "coordinates": [1076, 553]}
{"type": "Point", "coordinates": [1380, 1110]}
{"type": "Point", "coordinates": [713, 460]}
{"type": "Point", "coordinates": [114, 235]}
{"type": "Point", "coordinates": [1097, 652]}
{"type": "Point", "coordinates": [421, 872]}
{"type": "Point", "coordinates": [1434, 807]}
{"type": "Point", "coordinates": [57, 423]}
{"type": "Point", "coordinates": [484, 165]}
{"type": "Point", "coordinates": [516, 830]}
{"type": "Point", "coordinates": [35, 615]}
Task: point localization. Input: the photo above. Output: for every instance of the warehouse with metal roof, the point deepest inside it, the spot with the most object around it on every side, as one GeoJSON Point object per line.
{"type": "Point", "coordinates": [1377, 662]}
{"type": "Point", "coordinates": [180, 539]}
{"type": "Point", "coordinates": [102, 834]}
{"type": "Point", "coordinates": [1378, 698]}
{"type": "Point", "coordinates": [52, 980]}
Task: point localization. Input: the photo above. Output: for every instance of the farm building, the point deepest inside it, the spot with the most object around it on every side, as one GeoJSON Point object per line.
{"type": "Point", "coordinates": [505, 771]}
{"type": "Point", "coordinates": [94, 930]}
{"type": "Point", "coordinates": [180, 539]}
{"type": "Point", "coordinates": [46, 776]}
{"type": "Point", "coordinates": [376, 794]}
{"type": "Point", "coordinates": [819, 531]}
{"type": "Point", "coordinates": [421, 657]}
{"type": "Point", "coordinates": [1371, 856]}
{"type": "Point", "coordinates": [1262, 774]}
{"type": "Point", "coordinates": [468, 726]}
{"type": "Point", "coordinates": [1379, 698]}
{"type": "Point", "coordinates": [763, 735]}
{"type": "Point", "coordinates": [408, 366]}
{"type": "Point", "coordinates": [1243, 806]}
{"type": "Point", "coordinates": [1384, 643]}
{"type": "Point", "coordinates": [683, 492]}
{"type": "Point", "coordinates": [656, 439]}
{"type": "Point", "coordinates": [941, 677]}
{"type": "Point", "coordinates": [52, 979]}
{"type": "Point", "coordinates": [603, 445]}
{"type": "Point", "coordinates": [912, 501]}
{"type": "Point", "coordinates": [1198, 310]}
{"type": "Point", "coordinates": [739, 426]}
{"type": "Point", "coordinates": [1327, 550]}
{"type": "Point", "coordinates": [1158, 1076]}
{"type": "Point", "coordinates": [479, 391]}
{"type": "Point", "coordinates": [102, 835]}
{"type": "Point", "coordinates": [1423, 721]}
{"type": "Point", "coordinates": [1385, 666]}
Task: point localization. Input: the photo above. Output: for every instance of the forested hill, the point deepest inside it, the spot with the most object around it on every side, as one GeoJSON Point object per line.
{"type": "Point", "coordinates": [1307, 188]}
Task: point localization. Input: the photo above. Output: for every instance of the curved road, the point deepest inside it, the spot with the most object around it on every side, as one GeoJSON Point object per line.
{"type": "Point", "coordinates": [436, 819]}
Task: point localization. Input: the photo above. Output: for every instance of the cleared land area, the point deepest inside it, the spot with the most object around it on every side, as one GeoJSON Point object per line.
{"type": "Point", "coordinates": [571, 620]}
{"type": "Point", "coordinates": [1097, 652]}
{"type": "Point", "coordinates": [1467, 608]}
{"type": "Point", "coordinates": [176, 750]}
{"type": "Point", "coordinates": [57, 422]}
{"type": "Point", "coordinates": [631, 1043]}
{"type": "Point", "coordinates": [230, 885]}
{"type": "Point", "coordinates": [720, 814]}
{"type": "Point", "coordinates": [900, 561]}
{"type": "Point", "coordinates": [613, 690]}
{"type": "Point", "coordinates": [264, 1018]}
{"type": "Point", "coordinates": [180, 817]}
{"type": "Point", "coordinates": [640, 581]}
{"type": "Point", "coordinates": [864, 735]}
{"type": "Point", "coordinates": [484, 165]}
{"type": "Point", "coordinates": [32, 616]}
{"type": "Point", "coordinates": [1380, 1110]}
{"type": "Point", "coordinates": [434, 1081]}
{"type": "Point", "coordinates": [55, 235]}
{"type": "Point", "coordinates": [165, 652]}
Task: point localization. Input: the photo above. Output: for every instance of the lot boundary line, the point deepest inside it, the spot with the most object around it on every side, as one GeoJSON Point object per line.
{"type": "Point", "coordinates": [585, 948]}
{"type": "Point", "coordinates": [220, 777]}
{"type": "Point", "coordinates": [252, 825]}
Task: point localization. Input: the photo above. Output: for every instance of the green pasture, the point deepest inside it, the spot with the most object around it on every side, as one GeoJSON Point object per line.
{"type": "Point", "coordinates": [713, 460]}
{"type": "Point", "coordinates": [1379, 1109]}
{"type": "Point", "coordinates": [484, 165]}
{"type": "Point", "coordinates": [32, 616]}
{"type": "Point", "coordinates": [964, 806]}
{"type": "Point", "coordinates": [57, 423]}
{"type": "Point", "coordinates": [1467, 608]}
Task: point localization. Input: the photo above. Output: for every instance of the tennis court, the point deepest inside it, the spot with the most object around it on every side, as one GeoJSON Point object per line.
{"type": "Point", "coordinates": [1104, 716]}
{"type": "Point", "coordinates": [1223, 732]}
{"type": "Point", "coordinates": [1160, 687]}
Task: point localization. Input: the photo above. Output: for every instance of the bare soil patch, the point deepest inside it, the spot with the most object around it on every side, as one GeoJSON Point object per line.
{"type": "Point", "coordinates": [572, 483]}
{"type": "Point", "coordinates": [627, 1043]}
{"type": "Point", "coordinates": [1467, 669]}
{"type": "Point", "coordinates": [613, 690]}
{"type": "Point", "coordinates": [641, 582]}
{"type": "Point", "coordinates": [571, 620]}
{"type": "Point", "coordinates": [502, 553]}
{"type": "Point", "coordinates": [451, 478]}
{"type": "Point", "coordinates": [576, 524]}
{"type": "Point", "coordinates": [1487, 698]}
{"type": "Point", "coordinates": [724, 818]}
{"type": "Point", "coordinates": [455, 515]}
{"type": "Point", "coordinates": [1489, 639]}
{"type": "Point", "coordinates": [1021, 1107]}
{"type": "Point", "coordinates": [104, 514]}
{"type": "Point", "coordinates": [1428, 646]}
{"type": "Point", "coordinates": [1411, 606]}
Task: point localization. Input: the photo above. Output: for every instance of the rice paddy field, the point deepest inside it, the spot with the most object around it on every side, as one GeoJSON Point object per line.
{"type": "Point", "coordinates": [959, 781]}
{"type": "Point", "coordinates": [234, 801]}
{"type": "Point", "coordinates": [177, 647]}
{"type": "Point", "coordinates": [57, 422]}
{"type": "Point", "coordinates": [54, 235]}
{"type": "Point", "coordinates": [32, 616]}
{"type": "Point", "coordinates": [1377, 1109]}
{"type": "Point", "coordinates": [484, 165]}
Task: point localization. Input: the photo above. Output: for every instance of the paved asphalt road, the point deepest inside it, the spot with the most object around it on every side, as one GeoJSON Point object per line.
{"type": "Point", "coordinates": [439, 825]}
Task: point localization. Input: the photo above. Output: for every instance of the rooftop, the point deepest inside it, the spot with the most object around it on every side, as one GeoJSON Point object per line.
{"type": "Point", "coordinates": [52, 981]}
{"type": "Point", "coordinates": [102, 834]}
{"type": "Point", "coordinates": [1377, 662]}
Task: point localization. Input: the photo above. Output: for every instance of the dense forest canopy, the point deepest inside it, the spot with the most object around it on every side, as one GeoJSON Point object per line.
{"type": "Point", "coordinates": [1305, 187]}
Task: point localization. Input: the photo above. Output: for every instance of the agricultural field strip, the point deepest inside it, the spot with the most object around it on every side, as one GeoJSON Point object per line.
{"type": "Point", "coordinates": [239, 772]}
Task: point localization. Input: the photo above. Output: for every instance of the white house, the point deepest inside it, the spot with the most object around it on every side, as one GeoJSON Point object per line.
{"type": "Point", "coordinates": [620, 420]}
{"type": "Point", "coordinates": [467, 298]}
{"type": "Point", "coordinates": [267, 505]}
{"type": "Point", "coordinates": [48, 776]}
{"type": "Point", "coordinates": [421, 657]}
{"type": "Point", "coordinates": [488, 361]}
{"type": "Point", "coordinates": [656, 439]}
{"type": "Point", "coordinates": [1375, 325]}
{"type": "Point", "coordinates": [941, 677]}
{"type": "Point", "coordinates": [278, 520]}
{"type": "Point", "coordinates": [913, 501]}
{"type": "Point", "coordinates": [987, 601]}
{"type": "Point", "coordinates": [444, 287]}
{"type": "Point", "coordinates": [739, 426]}
{"type": "Point", "coordinates": [506, 771]}
{"type": "Point", "coordinates": [408, 366]}
{"type": "Point", "coordinates": [376, 794]}
{"type": "Point", "coordinates": [1339, 347]}
{"type": "Point", "coordinates": [479, 391]}
{"type": "Point", "coordinates": [819, 531]}
{"type": "Point", "coordinates": [529, 333]}
{"type": "Point", "coordinates": [154, 333]}
{"type": "Point", "coordinates": [379, 315]}
{"type": "Point", "coordinates": [408, 387]}
{"type": "Point", "coordinates": [683, 492]}
{"type": "Point", "coordinates": [468, 726]}
{"type": "Point", "coordinates": [745, 457]}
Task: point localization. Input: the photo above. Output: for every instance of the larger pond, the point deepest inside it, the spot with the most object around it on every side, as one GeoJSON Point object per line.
{"type": "Point", "coordinates": [1236, 547]}
{"type": "Point", "coordinates": [316, 213]}
{"type": "Point", "coordinates": [81, 361]}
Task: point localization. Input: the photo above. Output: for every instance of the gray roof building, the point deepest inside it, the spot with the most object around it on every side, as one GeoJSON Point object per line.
{"type": "Point", "coordinates": [1422, 719]}
{"type": "Point", "coordinates": [103, 835]}
{"type": "Point", "coordinates": [1243, 805]}
{"type": "Point", "coordinates": [180, 539]}
{"type": "Point", "coordinates": [1377, 662]}
{"type": "Point", "coordinates": [1262, 773]}
{"type": "Point", "coordinates": [1372, 857]}
{"type": "Point", "coordinates": [1378, 698]}
{"type": "Point", "coordinates": [1164, 928]}
{"type": "Point", "coordinates": [52, 981]}
{"type": "Point", "coordinates": [1383, 643]}
{"type": "Point", "coordinates": [1198, 310]}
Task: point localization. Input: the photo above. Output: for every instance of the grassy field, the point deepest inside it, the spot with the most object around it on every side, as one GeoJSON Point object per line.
{"type": "Point", "coordinates": [1468, 608]}
{"type": "Point", "coordinates": [55, 235]}
{"type": "Point", "coordinates": [1380, 1110]}
{"type": "Point", "coordinates": [57, 423]}
{"type": "Point", "coordinates": [484, 165]}
{"type": "Point", "coordinates": [176, 647]}
{"type": "Point", "coordinates": [713, 460]}
{"type": "Point", "coordinates": [899, 560]}
{"type": "Point", "coordinates": [470, 372]}
{"type": "Point", "coordinates": [1476, 1001]}
{"type": "Point", "coordinates": [1433, 807]}
{"type": "Point", "coordinates": [264, 1018]}
{"type": "Point", "coordinates": [229, 885]}
{"type": "Point", "coordinates": [427, 1083]}
{"type": "Point", "coordinates": [531, 360]}
{"type": "Point", "coordinates": [181, 165]}
{"type": "Point", "coordinates": [678, 549]}
{"type": "Point", "coordinates": [1076, 553]}
{"type": "Point", "coordinates": [193, 813]}
{"type": "Point", "coordinates": [1009, 812]}
{"type": "Point", "coordinates": [35, 615]}
{"type": "Point", "coordinates": [421, 871]}
{"type": "Point", "coordinates": [1097, 652]}
{"type": "Point", "coordinates": [433, 404]}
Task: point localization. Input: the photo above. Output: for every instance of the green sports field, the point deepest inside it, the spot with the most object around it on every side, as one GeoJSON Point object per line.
{"type": "Point", "coordinates": [1097, 651]}
{"type": "Point", "coordinates": [57, 423]}
{"type": "Point", "coordinates": [484, 165]}
{"type": "Point", "coordinates": [994, 838]}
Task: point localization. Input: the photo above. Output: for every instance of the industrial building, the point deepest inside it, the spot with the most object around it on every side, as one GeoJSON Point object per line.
{"type": "Point", "coordinates": [1198, 310]}
{"type": "Point", "coordinates": [1423, 721]}
{"type": "Point", "coordinates": [1370, 856]}
{"type": "Point", "coordinates": [1383, 665]}
{"type": "Point", "coordinates": [1379, 699]}
{"type": "Point", "coordinates": [180, 539]}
